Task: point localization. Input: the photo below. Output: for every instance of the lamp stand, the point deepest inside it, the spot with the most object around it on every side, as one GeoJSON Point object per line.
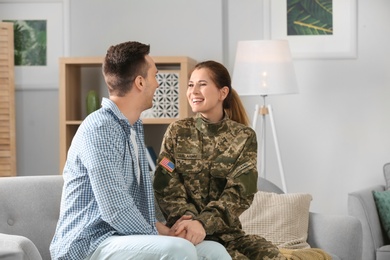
{"type": "Point", "coordinates": [265, 110]}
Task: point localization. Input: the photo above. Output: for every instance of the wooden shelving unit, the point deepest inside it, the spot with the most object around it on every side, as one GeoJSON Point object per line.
{"type": "Point", "coordinates": [7, 102]}
{"type": "Point", "coordinates": [80, 74]}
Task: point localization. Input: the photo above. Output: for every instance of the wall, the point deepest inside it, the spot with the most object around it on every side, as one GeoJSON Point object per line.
{"type": "Point", "coordinates": [333, 135]}
{"type": "Point", "coordinates": [37, 131]}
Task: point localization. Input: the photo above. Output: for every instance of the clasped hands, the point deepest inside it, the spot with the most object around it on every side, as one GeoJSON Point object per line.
{"type": "Point", "coordinates": [187, 228]}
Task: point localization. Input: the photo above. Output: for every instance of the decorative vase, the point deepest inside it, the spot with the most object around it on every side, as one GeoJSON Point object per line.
{"type": "Point", "coordinates": [92, 101]}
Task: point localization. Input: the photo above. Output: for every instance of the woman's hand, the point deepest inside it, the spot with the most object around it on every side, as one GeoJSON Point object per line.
{"type": "Point", "coordinates": [195, 232]}
{"type": "Point", "coordinates": [183, 233]}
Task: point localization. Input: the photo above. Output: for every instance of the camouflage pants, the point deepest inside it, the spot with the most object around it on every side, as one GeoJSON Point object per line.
{"type": "Point", "coordinates": [253, 247]}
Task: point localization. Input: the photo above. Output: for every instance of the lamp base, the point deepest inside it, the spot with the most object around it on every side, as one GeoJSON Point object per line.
{"type": "Point", "coordinates": [265, 110]}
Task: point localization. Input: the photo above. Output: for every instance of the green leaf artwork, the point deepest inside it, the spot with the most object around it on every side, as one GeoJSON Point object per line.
{"type": "Point", "coordinates": [309, 17]}
{"type": "Point", "coordinates": [30, 38]}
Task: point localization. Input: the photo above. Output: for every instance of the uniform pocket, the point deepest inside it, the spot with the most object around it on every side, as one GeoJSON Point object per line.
{"type": "Point", "coordinates": [188, 163]}
{"type": "Point", "coordinates": [220, 170]}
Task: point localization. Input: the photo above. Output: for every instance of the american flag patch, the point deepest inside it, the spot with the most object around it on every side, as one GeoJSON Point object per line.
{"type": "Point", "coordinates": [167, 164]}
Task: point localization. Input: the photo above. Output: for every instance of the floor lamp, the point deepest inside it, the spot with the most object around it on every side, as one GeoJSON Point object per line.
{"type": "Point", "coordinates": [264, 68]}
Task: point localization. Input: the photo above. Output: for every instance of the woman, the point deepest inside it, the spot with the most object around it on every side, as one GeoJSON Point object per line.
{"type": "Point", "coordinates": [207, 167]}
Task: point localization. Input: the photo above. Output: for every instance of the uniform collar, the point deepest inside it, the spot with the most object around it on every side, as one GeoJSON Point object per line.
{"type": "Point", "coordinates": [208, 128]}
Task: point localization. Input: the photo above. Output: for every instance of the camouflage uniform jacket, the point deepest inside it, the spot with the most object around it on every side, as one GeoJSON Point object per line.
{"type": "Point", "coordinates": [214, 177]}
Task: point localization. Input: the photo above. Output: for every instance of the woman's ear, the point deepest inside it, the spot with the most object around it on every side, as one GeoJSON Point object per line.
{"type": "Point", "coordinates": [224, 92]}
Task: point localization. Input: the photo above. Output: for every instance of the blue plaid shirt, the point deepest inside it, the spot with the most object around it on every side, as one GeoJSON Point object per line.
{"type": "Point", "coordinates": [101, 195]}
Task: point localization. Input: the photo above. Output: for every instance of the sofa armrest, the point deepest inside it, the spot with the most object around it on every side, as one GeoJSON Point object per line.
{"type": "Point", "coordinates": [338, 235]}
{"type": "Point", "coordinates": [17, 248]}
{"type": "Point", "coordinates": [30, 206]}
{"type": "Point", "coordinates": [361, 204]}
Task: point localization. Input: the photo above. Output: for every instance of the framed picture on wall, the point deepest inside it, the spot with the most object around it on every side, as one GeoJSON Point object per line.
{"type": "Point", "coordinates": [324, 29]}
{"type": "Point", "coordinates": [39, 33]}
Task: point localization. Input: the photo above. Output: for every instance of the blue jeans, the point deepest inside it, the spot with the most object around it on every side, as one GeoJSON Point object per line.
{"type": "Point", "coordinates": [156, 247]}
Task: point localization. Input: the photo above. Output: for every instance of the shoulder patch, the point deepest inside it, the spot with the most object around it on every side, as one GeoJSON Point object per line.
{"type": "Point", "coordinates": [167, 164]}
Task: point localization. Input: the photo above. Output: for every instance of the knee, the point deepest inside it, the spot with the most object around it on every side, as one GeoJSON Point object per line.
{"type": "Point", "coordinates": [210, 250]}
{"type": "Point", "coordinates": [180, 244]}
{"type": "Point", "coordinates": [179, 248]}
{"type": "Point", "coordinates": [219, 252]}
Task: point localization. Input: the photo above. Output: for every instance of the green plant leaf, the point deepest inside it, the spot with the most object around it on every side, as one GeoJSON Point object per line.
{"type": "Point", "coordinates": [309, 17]}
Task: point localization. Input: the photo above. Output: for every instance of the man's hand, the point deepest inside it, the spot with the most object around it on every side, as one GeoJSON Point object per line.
{"type": "Point", "coordinates": [162, 229]}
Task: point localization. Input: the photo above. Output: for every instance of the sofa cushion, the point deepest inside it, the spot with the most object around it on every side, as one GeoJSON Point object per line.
{"type": "Point", "coordinates": [382, 202]}
{"type": "Point", "coordinates": [282, 219]}
{"type": "Point", "coordinates": [13, 247]}
{"type": "Point", "coordinates": [383, 253]}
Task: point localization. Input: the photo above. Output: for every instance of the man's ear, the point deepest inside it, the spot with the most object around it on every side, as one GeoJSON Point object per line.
{"type": "Point", "coordinates": [139, 82]}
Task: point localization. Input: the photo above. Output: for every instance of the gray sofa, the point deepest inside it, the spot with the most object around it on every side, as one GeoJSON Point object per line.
{"type": "Point", "coordinates": [361, 204]}
{"type": "Point", "coordinates": [29, 209]}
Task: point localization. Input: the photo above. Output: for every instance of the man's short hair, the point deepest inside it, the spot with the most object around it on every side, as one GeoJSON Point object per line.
{"type": "Point", "coordinates": [122, 64]}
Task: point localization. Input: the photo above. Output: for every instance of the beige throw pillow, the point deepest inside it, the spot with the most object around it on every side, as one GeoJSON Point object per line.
{"type": "Point", "coordinates": [282, 219]}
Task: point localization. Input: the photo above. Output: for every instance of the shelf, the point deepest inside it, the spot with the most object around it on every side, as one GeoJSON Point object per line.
{"type": "Point", "coordinates": [80, 74]}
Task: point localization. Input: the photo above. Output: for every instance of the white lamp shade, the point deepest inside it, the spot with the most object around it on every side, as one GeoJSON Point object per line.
{"type": "Point", "coordinates": [264, 67]}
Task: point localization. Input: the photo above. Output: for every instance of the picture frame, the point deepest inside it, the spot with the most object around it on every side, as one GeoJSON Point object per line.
{"type": "Point", "coordinates": [55, 12]}
{"type": "Point", "coordinates": [342, 44]}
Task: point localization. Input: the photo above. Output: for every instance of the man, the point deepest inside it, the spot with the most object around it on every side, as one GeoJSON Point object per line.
{"type": "Point", "coordinates": [107, 207]}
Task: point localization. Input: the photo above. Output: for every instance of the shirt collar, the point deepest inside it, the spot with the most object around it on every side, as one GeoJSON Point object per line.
{"type": "Point", "coordinates": [109, 104]}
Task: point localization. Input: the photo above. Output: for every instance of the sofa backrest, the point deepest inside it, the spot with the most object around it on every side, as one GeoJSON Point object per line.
{"type": "Point", "coordinates": [266, 185]}
{"type": "Point", "coordinates": [30, 206]}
